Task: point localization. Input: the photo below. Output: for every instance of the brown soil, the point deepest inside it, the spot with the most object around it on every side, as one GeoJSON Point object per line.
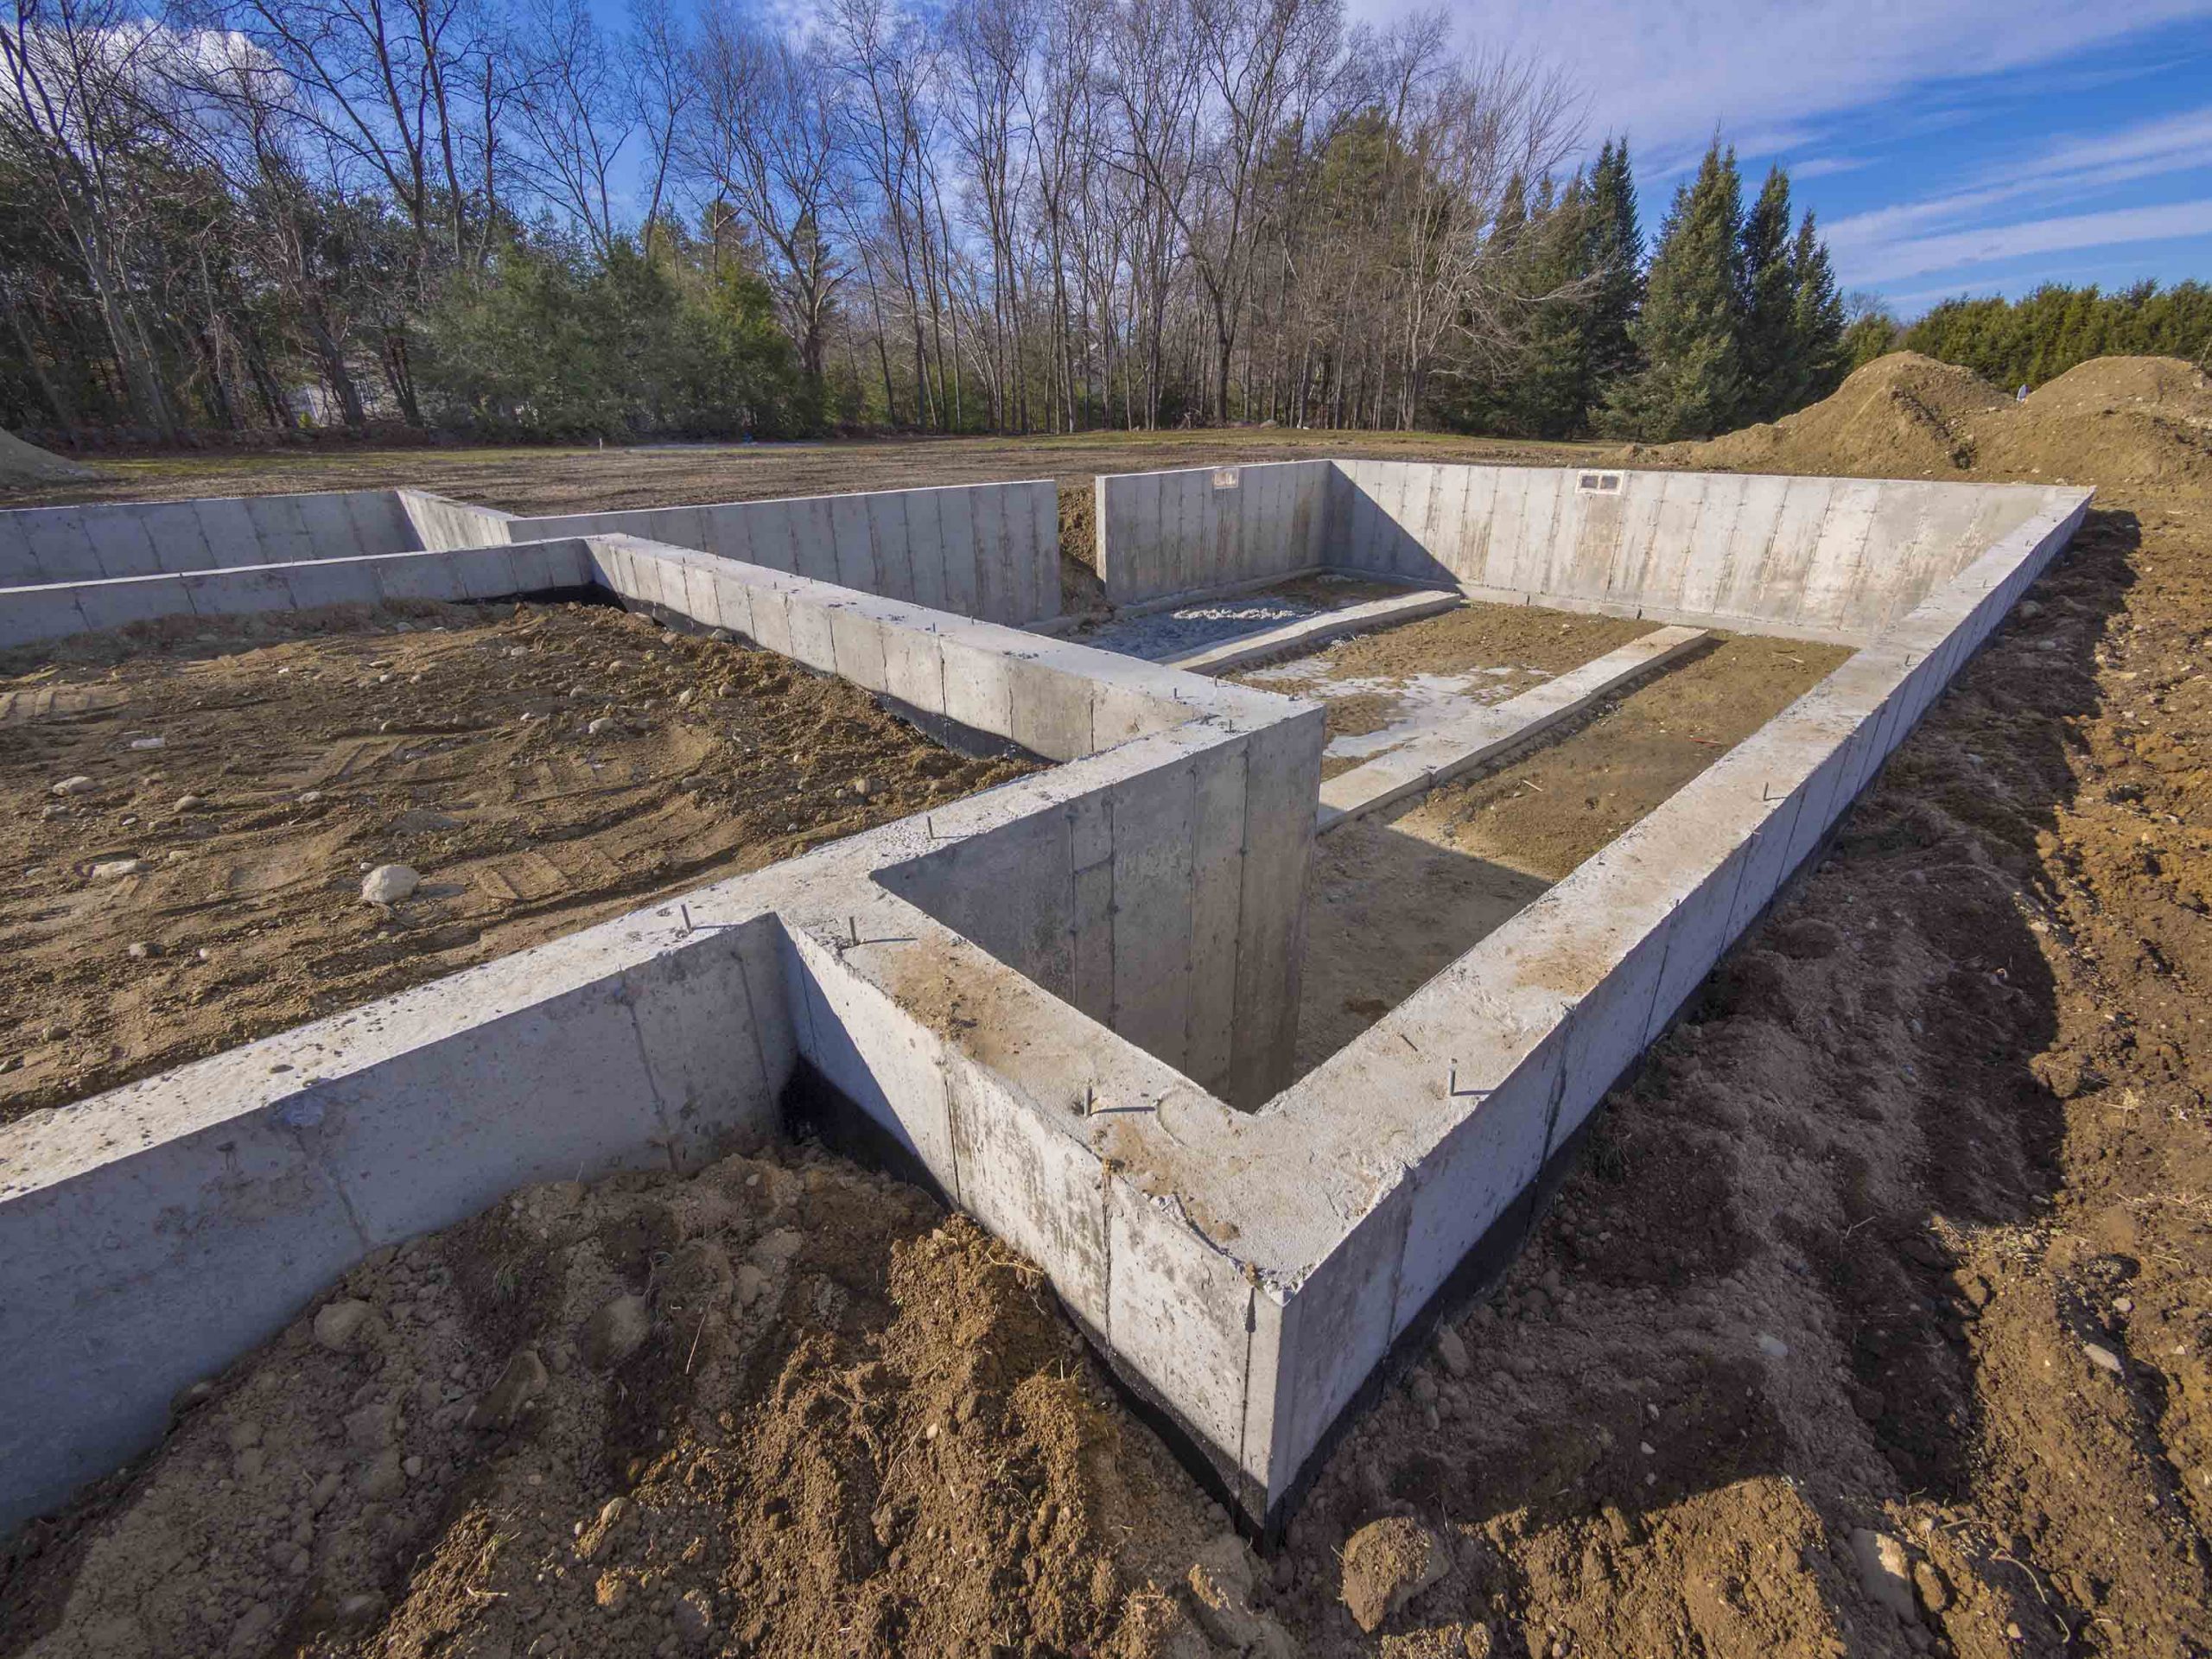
{"type": "Point", "coordinates": [1858, 1245]}
{"type": "Point", "coordinates": [1474, 636]}
{"type": "Point", "coordinates": [1547, 812]}
{"type": "Point", "coordinates": [782, 1407]}
{"type": "Point", "coordinates": [451, 739]}
{"type": "Point", "coordinates": [2143, 422]}
{"type": "Point", "coordinates": [1396, 896]}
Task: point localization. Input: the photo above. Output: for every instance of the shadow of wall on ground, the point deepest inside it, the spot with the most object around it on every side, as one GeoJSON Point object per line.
{"type": "Point", "coordinates": [1853, 1081]}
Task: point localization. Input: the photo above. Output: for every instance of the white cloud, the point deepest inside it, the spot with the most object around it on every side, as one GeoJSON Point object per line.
{"type": "Point", "coordinates": [1901, 240]}
{"type": "Point", "coordinates": [1926, 255]}
{"type": "Point", "coordinates": [1770, 74]}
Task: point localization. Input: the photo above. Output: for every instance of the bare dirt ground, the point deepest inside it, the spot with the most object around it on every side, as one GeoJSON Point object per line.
{"type": "Point", "coordinates": [456, 740]}
{"type": "Point", "coordinates": [1875, 1319]}
{"type": "Point", "coordinates": [552, 480]}
{"type": "Point", "coordinates": [1395, 897]}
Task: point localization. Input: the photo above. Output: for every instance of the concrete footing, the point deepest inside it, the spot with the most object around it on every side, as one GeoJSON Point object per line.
{"type": "Point", "coordinates": [1484, 736]}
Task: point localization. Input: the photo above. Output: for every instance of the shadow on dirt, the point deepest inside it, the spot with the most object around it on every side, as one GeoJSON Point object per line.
{"type": "Point", "coordinates": [1783, 1174]}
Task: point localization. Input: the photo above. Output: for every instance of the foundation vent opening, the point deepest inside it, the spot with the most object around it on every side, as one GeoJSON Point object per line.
{"type": "Point", "coordinates": [1599, 483]}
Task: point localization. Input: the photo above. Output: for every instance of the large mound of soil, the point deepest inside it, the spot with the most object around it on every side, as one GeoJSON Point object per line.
{"type": "Point", "coordinates": [1903, 416]}
{"type": "Point", "coordinates": [2112, 421]}
{"type": "Point", "coordinates": [24, 464]}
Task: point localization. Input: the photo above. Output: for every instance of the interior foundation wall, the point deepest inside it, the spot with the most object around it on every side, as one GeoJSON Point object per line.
{"type": "Point", "coordinates": [987, 550]}
{"type": "Point", "coordinates": [1198, 530]}
{"type": "Point", "coordinates": [58, 610]}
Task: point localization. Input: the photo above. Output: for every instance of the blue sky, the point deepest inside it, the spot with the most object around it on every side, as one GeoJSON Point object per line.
{"type": "Point", "coordinates": [1949, 147]}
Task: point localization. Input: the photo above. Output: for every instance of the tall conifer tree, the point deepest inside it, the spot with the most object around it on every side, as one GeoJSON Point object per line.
{"type": "Point", "coordinates": [1766, 344]}
{"type": "Point", "coordinates": [1617, 257]}
{"type": "Point", "coordinates": [1816, 322]}
{"type": "Point", "coordinates": [1691, 381]}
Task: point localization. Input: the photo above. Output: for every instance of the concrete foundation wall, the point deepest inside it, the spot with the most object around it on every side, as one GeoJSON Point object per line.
{"type": "Point", "coordinates": [440, 524]}
{"type": "Point", "coordinates": [1437, 1117]}
{"type": "Point", "coordinates": [987, 550]}
{"type": "Point", "coordinates": [1165, 902]}
{"type": "Point", "coordinates": [40, 546]}
{"type": "Point", "coordinates": [226, 1194]}
{"type": "Point", "coordinates": [150, 1236]}
{"type": "Point", "coordinates": [1835, 558]}
{"type": "Point", "coordinates": [31, 615]}
{"type": "Point", "coordinates": [1053, 994]}
{"type": "Point", "coordinates": [1198, 529]}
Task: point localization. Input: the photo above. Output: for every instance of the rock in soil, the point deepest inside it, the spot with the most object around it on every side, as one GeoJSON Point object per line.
{"type": "Point", "coordinates": [1386, 1564]}
{"type": "Point", "coordinates": [388, 884]}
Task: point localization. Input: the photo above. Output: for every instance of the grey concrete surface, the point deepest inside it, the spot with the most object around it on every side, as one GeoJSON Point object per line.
{"type": "Point", "coordinates": [1834, 559]}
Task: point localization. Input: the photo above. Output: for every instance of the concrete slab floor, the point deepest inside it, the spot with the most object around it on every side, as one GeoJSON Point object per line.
{"type": "Point", "coordinates": [1158, 635]}
{"type": "Point", "coordinates": [1393, 900]}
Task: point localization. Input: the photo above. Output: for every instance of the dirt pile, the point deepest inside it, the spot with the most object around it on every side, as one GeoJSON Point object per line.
{"type": "Point", "coordinates": [778, 1408]}
{"type": "Point", "coordinates": [2124, 421]}
{"type": "Point", "coordinates": [2135, 422]}
{"type": "Point", "coordinates": [228, 782]}
{"type": "Point", "coordinates": [22, 464]}
{"type": "Point", "coordinates": [1903, 416]}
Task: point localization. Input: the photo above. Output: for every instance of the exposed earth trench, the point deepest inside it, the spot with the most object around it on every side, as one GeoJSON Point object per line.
{"type": "Point", "coordinates": [1875, 1319]}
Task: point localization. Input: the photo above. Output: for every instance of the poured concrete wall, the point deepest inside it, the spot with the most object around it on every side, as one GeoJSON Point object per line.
{"type": "Point", "coordinates": [1198, 529]}
{"type": "Point", "coordinates": [1419, 1138]}
{"type": "Point", "coordinates": [1167, 905]}
{"type": "Point", "coordinates": [987, 550]}
{"type": "Point", "coordinates": [1835, 559]}
{"type": "Point", "coordinates": [43, 545]}
{"type": "Point", "coordinates": [1248, 1270]}
{"type": "Point", "coordinates": [150, 1236]}
{"type": "Point", "coordinates": [441, 524]}
{"type": "Point", "coordinates": [56, 611]}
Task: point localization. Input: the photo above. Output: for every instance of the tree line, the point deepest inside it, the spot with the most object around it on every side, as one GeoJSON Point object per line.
{"type": "Point", "coordinates": [2026, 341]}
{"type": "Point", "coordinates": [488, 218]}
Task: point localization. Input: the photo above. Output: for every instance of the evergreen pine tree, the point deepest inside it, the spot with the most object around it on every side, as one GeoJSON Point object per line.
{"type": "Point", "coordinates": [1616, 257]}
{"type": "Point", "coordinates": [1551, 384]}
{"type": "Point", "coordinates": [1692, 381]}
{"type": "Point", "coordinates": [1816, 322]}
{"type": "Point", "coordinates": [1766, 341]}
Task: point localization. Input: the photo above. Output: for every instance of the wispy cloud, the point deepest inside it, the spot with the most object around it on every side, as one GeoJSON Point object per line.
{"type": "Point", "coordinates": [1911, 238]}
{"type": "Point", "coordinates": [1822, 167]}
{"type": "Point", "coordinates": [1925, 255]}
{"type": "Point", "coordinates": [1667, 74]}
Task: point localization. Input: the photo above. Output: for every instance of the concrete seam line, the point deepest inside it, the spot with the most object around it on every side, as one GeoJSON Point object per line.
{"type": "Point", "coordinates": [315, 1161]}
{"type": "Point", "coordinates": [751, 1003]}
